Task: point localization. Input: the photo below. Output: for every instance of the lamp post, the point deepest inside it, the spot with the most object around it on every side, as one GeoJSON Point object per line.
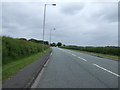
{"type": "Point", "coordinates": [44, 22]}
{"type": "Point", "coordinates": [51, 33]}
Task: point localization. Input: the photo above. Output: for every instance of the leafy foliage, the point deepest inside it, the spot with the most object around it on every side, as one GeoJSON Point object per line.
{"type": "Point", "coordinates": [13, 49]}
{"type": "Point", "coordinates": [59, 44]}
{"type": "Point", "coordinates": [39, 41]}
{"type": "Point", "coordinates": [53, 44]}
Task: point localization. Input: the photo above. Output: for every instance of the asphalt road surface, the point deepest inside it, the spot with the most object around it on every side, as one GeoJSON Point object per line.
{"type": "Point", "coordinates": [71, 69]}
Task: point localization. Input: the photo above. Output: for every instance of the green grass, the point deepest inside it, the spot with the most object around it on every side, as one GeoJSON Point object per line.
{"type": "Point", "coordinates": [13, 67]}
{"type": "Point", "coordinates": [98, 54]}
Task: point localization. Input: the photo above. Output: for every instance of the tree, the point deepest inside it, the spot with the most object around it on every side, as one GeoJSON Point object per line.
{"type": "Point", "coordinates": [39, 41]}
{"type": "Point", "coordinates": [36, 41]}
{"type": "Point", "coordinates": [59, 44]}
{"type": "Point", "coordinates": [46, 42]}
{"type": "Point", "coordinates": [23, 39]}
{"type": "Point", "coordinates": [53, 44]}
{"type": "Point", "coordinates": [64, 45]}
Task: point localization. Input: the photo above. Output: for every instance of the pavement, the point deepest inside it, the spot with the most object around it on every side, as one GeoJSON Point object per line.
{"type": "Point", "coordinates": [72, 69]}
{"type": "Point", "coordinates": [26, 76]}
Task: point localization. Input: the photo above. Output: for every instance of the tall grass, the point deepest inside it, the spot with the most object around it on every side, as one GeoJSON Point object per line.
{"type": "Point", "coordinates": [14, 49]}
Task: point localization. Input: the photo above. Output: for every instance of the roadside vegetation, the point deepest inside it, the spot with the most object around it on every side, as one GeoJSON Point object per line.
{"type": "Point", "coordinates": [11, 68]}
{"type": "Point", "coordinates": [17, 53]}
{"type": "Point", "coordinates": [109, 51]}
{"type": "Point", "coordinates": [14, 49]}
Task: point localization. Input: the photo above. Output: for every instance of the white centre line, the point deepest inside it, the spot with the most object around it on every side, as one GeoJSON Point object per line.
{"type": "Point", "coordinates": [106, 70]}
{"type": "Point", "coordinates": [73, 54]}
{"type": "Point", "coordinates": [82, 58]}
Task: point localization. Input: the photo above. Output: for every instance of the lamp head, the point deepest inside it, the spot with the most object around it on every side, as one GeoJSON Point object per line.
{"type": "Point", "coordinates": [54, 4]}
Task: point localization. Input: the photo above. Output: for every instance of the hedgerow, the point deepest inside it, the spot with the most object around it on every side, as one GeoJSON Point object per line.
{"type": "Point", "coordinates": [111, 50]}
{"type": "Point", "coordinates": [13, 49]}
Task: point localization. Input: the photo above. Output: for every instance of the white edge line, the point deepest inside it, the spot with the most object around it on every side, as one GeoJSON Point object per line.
{"type": "Point", "coordinates": [82, 58]}
{"type": "Point", "coordinates": [106, 70]}
{"type": "Point", "coordinates": [35, 84]}
{"type": "Point", "coordinates": [46, 63]}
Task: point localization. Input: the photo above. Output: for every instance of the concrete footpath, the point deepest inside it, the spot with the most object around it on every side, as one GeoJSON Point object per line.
{"type": "Point", "coordinates": [25, 77]}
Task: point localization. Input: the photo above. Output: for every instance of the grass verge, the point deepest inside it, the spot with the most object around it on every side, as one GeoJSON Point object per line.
{"type": "Point", "coordinates": [13, 67]}
{"type": "Point", "coordinates": [98, 54]}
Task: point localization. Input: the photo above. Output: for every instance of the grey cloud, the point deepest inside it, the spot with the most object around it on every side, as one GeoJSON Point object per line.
{"type": "Point", "coordinates": [18, 18]}
{"type": "Point", "coordinates": [72, 8]}
{"type": "Point", "coordinates": [90, 25]}
{"type": "Point", "coordinates": [108, 12]}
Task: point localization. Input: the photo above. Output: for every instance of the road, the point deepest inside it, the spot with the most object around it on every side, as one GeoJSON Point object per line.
{"type": "Point", "coordinates": [71, 69]}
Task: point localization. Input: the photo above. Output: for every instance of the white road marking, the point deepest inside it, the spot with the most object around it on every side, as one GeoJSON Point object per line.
{"type": "Point", "coordinates": [73, 54]}
{"type": "Point", "coordinates": [97, 66]}
{"type": "Point", "coordinates": [82, 58]}
{"type": "Point", "coordinates": [35, 84]}
{"type": "Point", "coordinates": [45, 65]}
{"type": "Point", "coordinates": [106, 70]}
{"type": "Point", "coordinates": [51, 54]}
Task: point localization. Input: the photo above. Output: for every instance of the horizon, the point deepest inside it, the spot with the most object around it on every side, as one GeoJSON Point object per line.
{"type": "Point", "coordinates": [63, 43]}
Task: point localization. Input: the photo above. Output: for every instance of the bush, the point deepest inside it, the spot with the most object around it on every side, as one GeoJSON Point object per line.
{"type": "Point", "coordinates": [13, 49]}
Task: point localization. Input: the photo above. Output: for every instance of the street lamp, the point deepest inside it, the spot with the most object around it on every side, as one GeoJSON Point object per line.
{"type": "Point", "coordinates": [50, 34]}
{"type": "Point", "coordinates": [44, 22]}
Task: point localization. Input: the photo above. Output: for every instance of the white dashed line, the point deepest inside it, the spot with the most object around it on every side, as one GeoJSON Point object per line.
{"type": "Point", "coordinates": [82, 59]}
{"type": "Point", "coordinates": [97, 66]}
{"type": "Point", "coordinates": [106, 70]}
{"type": "Point", "coordinates": [73, 54]}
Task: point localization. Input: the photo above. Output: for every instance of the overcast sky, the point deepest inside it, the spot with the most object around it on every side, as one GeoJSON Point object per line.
{"type": "Point", "coordinates": [76, 23]}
